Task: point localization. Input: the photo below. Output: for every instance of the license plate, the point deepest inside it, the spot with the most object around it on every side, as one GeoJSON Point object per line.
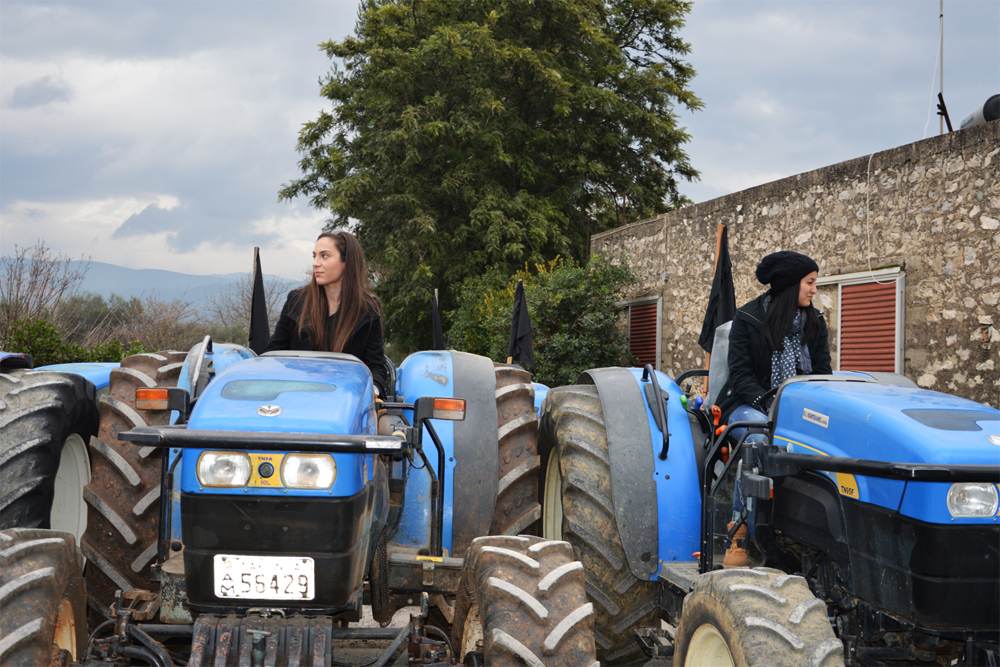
{"type": "Point", "coordinates": [264, 577]}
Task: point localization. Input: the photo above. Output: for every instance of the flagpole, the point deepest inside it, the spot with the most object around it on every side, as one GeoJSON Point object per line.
{"type": "Point", "coordinates": [718, 248]}
{"type": "Point", "coordinates": [253, 277]}
{"type": "Point", "coordinates": [510, 360]}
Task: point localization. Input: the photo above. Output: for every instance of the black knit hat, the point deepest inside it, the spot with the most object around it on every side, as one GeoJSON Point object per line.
{"type": "Point", "coordinates": [784, 268]}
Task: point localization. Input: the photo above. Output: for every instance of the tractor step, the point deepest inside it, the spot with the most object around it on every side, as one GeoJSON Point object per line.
{"type": "Point", "coordinates": [412, 574]}
{"type": "Point", "coordinates": [680, 576]}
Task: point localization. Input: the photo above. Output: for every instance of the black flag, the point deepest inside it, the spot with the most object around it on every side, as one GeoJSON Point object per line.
{"type": "Point", "coordinates": [260, 332]}
{"type": "Point", "coordinates": [436, 317]}
{"type": "Point", "coordinates": [722, 299]}
{"type": "Point", "coordinates": [519, 349]}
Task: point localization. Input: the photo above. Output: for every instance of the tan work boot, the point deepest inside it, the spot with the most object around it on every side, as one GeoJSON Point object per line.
{"type": "Point", "coordinates": [736, 556]}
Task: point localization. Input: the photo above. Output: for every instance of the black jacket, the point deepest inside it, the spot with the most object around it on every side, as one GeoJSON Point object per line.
{"type": "Point", "coordinates": [750, 358]}
{"type": "Point", "coordinates": [365, 342]}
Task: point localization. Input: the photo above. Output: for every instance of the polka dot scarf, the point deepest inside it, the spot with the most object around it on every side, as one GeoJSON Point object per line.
{"type": "Point", "coordinates": [794, 359]}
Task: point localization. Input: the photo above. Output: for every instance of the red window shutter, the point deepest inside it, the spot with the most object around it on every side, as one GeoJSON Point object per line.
{"type": "Point", "coordinates": [643, 333]}
{"type": "Point", "coordinates": [868, 327]}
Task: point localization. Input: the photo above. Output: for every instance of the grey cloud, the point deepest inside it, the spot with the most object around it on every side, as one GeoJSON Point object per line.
{"type": "Point", "coordinates": [39, 92]}
{"type": "Point", "coordinates": [166, 28]}
{"type": "Point", "coordinates": [845, 78]}
{"type": "Point", "coordinates": [149, 220]}
{"type": "Point", "coordinates": [190, 225]}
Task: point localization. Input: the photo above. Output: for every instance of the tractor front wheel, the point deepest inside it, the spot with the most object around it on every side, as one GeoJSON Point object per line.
{"type": "Point", "coordinates": [42, 596]}
{"type": "Point", "coordinates": [753, 617]}
{"type": "Point", "coordinates": [522, 601]}
{"type": "Point", "coordinates": [123, 496]}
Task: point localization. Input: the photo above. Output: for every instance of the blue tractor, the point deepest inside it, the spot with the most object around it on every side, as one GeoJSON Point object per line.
{"type": "Point", "coordinates": [871, 507]}
{"type": "Point", "coordinates": [245, 509]}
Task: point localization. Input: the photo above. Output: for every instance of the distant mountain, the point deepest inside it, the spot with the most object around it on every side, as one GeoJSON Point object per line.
{"type": "Point", "coordinates": [105, 279]}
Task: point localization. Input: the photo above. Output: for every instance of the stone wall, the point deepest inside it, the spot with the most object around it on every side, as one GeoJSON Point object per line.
{"type": "Point", "coordinates": [931, 208]}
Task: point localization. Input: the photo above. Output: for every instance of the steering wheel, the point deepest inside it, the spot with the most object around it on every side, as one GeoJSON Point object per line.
{"type": "Point", "coordinates": [765, 397]}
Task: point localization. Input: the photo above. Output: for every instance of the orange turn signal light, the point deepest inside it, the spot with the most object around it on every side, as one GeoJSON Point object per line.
{"type": "Point", "coordinates": [449, 408]}
{"type": "Point", "coordinates": [163, 398]}
{"type": "Point", "coordinates": [152, 399]}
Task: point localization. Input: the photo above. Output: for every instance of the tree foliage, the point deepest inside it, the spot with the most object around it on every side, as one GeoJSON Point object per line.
{"type": "Point", "coordinates": [465, 135]}
{"type": "Point", "coordinates": [573, 311]}
{"type": "Point", "coordinates": [88, 319]}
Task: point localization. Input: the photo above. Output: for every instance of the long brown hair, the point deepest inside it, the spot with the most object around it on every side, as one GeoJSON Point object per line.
{"type": "Point", "coordinates": [356, 297]}
{"type": "Point", "coordinates": [780, 315]}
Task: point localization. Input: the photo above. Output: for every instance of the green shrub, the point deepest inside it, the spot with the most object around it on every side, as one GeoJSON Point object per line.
{"type": "Point", "coordinates": [574, 317]}
{"type": "Point", "coordinates": [41, 340]}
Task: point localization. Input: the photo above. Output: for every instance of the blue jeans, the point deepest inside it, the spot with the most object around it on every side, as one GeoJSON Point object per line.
{"type": "Point", "coordinates": [744, 413]}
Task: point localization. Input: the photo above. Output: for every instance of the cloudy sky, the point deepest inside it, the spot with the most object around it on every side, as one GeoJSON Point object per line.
{"type": "Point", "coordinates": [157, 134]}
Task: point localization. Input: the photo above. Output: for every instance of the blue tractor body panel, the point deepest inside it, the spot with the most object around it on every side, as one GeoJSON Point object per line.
{"type": "Point", "coordinates": [676, 478]}
{"type": "Point", "coordinates": [541, 391]}
{"type": "Point", "coordinates": [890, 423]}
{"type": "Point", "coordinates": [314, 395]}
{"type": "Point", "coordinates": [99, 373]}
{"type": "Point", "coordinates": [427, 374]}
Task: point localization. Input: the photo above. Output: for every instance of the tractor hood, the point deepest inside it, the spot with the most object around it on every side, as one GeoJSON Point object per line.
{"type": "Point", "coordinates": [289, 395]}
{"type": "Point", "coordinates": [883, 422]}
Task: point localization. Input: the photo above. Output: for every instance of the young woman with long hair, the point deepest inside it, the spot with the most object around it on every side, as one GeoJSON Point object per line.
{"type": "Point", "coordinates": [336, 310]}
{"type": "Point", "coordinates": [778, 335]}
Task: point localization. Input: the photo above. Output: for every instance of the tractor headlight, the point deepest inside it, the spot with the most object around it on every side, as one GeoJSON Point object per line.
{"type": "Point", "coordinates": [308, 471]}
{"type": "Point", "coordinates": [972, 500]}
{"type": "Point", "coordinates": [223, 469]}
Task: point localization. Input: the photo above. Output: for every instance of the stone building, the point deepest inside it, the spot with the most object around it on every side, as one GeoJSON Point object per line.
{"type": "Point", "coordinates": [909, 237]}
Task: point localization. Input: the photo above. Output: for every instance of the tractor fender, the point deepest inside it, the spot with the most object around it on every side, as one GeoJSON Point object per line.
{"type": "Point", "coordinates": [99, 373]}
{"type": "Point", "coordinates": [653, 498]}
{"type": "Point", "coordinates": [10, 361]}
{"type": "Point", "coordinates": [470, 447]}
{"type": "Point", "coordinates": [630, 449]}
{"type": "Point", "coordinates": [476, 443]}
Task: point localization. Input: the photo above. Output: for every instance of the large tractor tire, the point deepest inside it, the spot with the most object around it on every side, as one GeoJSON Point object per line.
{"type": "Point", "coordinates": [521, 601]}
{"type": "Point", "coordinates": [123, 496]}
{"type": "Point", "coordinates": [577, 507]}
{"type": "Point", "coordinates": [42, 597]}
{"type": "Point", "coordinates": [46, 420]}
{"type": "Point", "coordinates": [517, 507]}
{"type": "Point", "coordinates": [755, 617]}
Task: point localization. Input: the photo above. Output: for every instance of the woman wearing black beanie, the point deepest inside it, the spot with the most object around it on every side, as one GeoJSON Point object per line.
{"type": "Point", "coordinates": [759, 358]}
{"type": "Point", "coordinates": [776, 336]}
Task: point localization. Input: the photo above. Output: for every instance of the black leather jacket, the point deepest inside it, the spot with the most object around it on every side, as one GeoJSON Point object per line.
{"type": "Point", "coordinates": [750, 358]}
{"type": "Point", "coordinates": [365, 343]}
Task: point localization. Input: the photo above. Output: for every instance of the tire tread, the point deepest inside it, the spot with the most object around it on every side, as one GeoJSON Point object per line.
{"type": "Point", "coordinates": [544, 606]}
{"type": "Point", "coordinates": [572, 426]}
